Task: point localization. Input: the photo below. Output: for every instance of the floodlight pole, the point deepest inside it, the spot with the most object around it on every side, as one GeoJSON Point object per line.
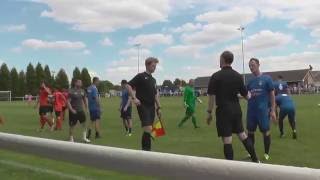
{"type": "Point", "coordinates": [138, 45]}
{"type": "Point", "coordinates": [241, 29]}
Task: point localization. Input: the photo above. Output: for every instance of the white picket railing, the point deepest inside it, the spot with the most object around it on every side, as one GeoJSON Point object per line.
{"type": "Point", "coordinates": [152, 163]}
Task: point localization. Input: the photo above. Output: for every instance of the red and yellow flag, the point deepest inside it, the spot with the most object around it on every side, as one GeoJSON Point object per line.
{"type": "Point", "coordinates": [158, 129]}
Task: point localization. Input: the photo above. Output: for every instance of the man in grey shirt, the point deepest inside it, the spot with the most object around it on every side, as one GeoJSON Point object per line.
{"type": "Point", "coordinates": [77, 104]}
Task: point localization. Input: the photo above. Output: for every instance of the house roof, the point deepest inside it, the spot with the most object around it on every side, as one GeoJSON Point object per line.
{"type": "Point", "coordinates": [289, 76]}
{"type": "Point", "coordinates": [316, 75]}
{"type": "Point", "coordinates": [201, 82]}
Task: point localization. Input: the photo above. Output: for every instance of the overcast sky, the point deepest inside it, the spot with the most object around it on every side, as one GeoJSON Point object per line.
{"type": "Point", "coordinates": [186, 35]}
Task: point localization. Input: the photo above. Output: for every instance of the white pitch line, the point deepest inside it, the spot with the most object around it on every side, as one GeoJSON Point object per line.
{"type": "Point", "coordinates": [41, 170]}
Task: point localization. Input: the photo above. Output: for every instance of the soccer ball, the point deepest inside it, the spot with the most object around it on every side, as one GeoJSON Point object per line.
{"type": "Point", "coordinates": [319, 105]}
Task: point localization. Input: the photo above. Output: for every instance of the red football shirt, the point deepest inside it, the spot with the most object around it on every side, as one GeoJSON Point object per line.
{"type": "Point", "coordinates": [66, 95]}
{"type": "Point", "coordinates": [59, 101]}
{"type": "Point", "coordinates": [43, 97]}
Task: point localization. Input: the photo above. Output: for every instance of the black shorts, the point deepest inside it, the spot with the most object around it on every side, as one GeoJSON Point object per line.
{"type": "Point", "coordinates": [126, 114]}
{"type": "Point", "coordinates": [58, 113]}
{"type": "Point", "coordinates": [74, 118]}
{"type": "Point", "coordinates": [146, 114]}
{"type": "Point", "coordinates": [43, 110]}
{"type": "Point", "coordinates": [229, 120]}
{"type": "Point", "coordinates": [50, 109]}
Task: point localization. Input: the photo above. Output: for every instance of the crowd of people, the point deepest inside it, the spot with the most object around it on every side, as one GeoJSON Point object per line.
{"type": "Point", "coordinates": [225, 87]}
{"type": "Point", "coordinates": [141, 90]}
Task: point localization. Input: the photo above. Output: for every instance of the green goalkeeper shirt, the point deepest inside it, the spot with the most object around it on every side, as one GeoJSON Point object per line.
{"type": "Point", "coordinates": [189, 97]}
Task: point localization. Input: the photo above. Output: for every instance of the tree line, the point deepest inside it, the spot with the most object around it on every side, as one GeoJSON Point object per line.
{"type": "Point", "coordinates": [28, 82]}
{"type": "Point", "coordinates": [173, 86]}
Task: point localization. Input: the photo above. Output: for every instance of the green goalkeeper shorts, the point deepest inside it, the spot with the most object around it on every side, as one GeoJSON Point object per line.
{"type": "Point", "coordinates": [189, 111]}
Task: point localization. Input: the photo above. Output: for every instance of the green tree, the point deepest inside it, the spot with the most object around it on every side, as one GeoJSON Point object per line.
{"type": "Point", "coordinates": [40, 75]}
{"type": "Point", "coordinates": [167, 84]}
{"type": "Point", "coordinates": [47, 76]}
{"type": "Point", "coordinates": [21, 91]}
{"type": "Point", "coordinates": [183, 83]}
{"type": "Point", "coordinates": [14, 78]}
{"type": "Point", "coordinates": [177, 82]}
{"type": "Point", "coordinates": [4, 78]}
{"type": "Point", "coordinates": [61, 80]}
{"type": "Point", "coordinates": [105, 86]}
{"type": "Point", "coordinates": [76, 73]}
{"type": "Point", "coordinates": [85, 77]}
{"type": "Point", "coordinates": [117, 88]}
{"type": "Point", "coordinates": [31, 81]}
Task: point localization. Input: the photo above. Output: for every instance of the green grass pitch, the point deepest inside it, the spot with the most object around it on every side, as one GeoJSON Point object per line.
{"type": "Point", "coordinates": [23, 119]}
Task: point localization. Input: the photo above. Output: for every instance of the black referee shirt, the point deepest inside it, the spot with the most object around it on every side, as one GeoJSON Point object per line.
{"type": "Point", "coordinates": [226, 84]}
{"type": "Point", "coordinates": [145, 86]}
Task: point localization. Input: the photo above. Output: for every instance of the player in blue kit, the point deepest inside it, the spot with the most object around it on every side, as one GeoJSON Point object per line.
{"type": "Point", "coordinates": [280, 86]}
{"type": "Point", "coordinates": [126, 108]}
{"type": "Point", "coordinates": [261, 105]}
{"type": "Point", "coordinates": [94, 107]}
{"type": "Point", "coordinates": [287, 108]}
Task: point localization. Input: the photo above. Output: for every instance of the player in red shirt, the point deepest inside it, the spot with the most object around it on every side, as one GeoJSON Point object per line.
{"type": "Point", "coordinates": [65, 106]}
{"type": "Point", "coordinates": [59, 102]}
{"type": "Point", "coordinates": [43, 104]}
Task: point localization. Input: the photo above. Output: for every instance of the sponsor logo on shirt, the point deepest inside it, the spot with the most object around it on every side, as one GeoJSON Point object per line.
{"type": "Point", "coordinates": [256, 92]}
{"type": "Point", "coordinates": [280, 87]}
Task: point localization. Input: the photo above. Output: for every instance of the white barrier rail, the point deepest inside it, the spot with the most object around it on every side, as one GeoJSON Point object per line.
{"type": "Point", "coordinates": [152, 163]}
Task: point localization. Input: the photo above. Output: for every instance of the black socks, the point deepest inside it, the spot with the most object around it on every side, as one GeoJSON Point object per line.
{"type": "Point", "coordinates": [281, 126]}
{"type": "Point", "coordinates": [228, 151]}
{"type": "Point", "coordinates": [146, 141]}
{"type": "Point", "coordinates": [89, 134]}
{"type": "Point", "coordinates": [251, 137]}
{"type": "Point", "coordinates": [250, 148]}
{"type": "Point", "coordinates": [98, 135]}
{"type": "Point", "coordinates": [267, 142]}
{"type": "Point", "coordinates": [293, 125]}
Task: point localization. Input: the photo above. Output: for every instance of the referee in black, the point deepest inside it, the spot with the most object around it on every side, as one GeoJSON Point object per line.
{"type": "Point", "coordinates": [146, 99]}
{"type": "Point", "coordinates": [223, 90]}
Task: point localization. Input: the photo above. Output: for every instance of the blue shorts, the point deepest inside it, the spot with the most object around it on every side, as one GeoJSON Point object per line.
{"type": "Point", "coordinates": [95, 115]}
{"type": "Point", "coordinates": [259, 118]}
{"type": "Point", "coordinates": [290, 112]}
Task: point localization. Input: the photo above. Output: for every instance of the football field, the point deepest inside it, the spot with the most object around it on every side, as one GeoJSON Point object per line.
{"type": "Point", "coordinates": [23, 119]}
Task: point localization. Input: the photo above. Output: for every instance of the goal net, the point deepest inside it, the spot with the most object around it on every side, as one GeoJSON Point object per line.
{"type": "Point", "coordinates": [5, 95]}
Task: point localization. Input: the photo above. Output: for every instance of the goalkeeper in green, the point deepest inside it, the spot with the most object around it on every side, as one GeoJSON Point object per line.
{"type": "Point", "coordinates": [190, 104]}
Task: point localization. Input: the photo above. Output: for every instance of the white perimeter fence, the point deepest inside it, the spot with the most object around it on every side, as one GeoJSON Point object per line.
{"type": "Point", "coordinates": [164, 165]}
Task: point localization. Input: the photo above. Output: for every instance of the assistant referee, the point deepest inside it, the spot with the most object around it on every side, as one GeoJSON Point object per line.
{"type": "Point", "coordinates": [223, 90]}
{"type": "Point", "coordinates": [146, 99]}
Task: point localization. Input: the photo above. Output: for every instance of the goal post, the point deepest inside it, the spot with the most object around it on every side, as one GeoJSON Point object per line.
{"type": "Point", "coordinates": [5, 96]}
